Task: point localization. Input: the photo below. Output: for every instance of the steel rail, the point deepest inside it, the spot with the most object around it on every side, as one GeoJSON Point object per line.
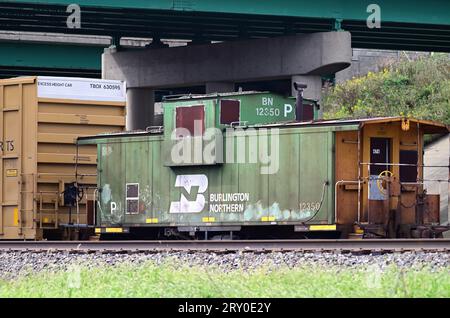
{"type": "Point", "coordinates": [366, 245]}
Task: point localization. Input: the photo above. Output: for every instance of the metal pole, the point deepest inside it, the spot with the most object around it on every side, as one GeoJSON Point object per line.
{"type": "Point", "coordinates": [76, 185]}
{"type": "Point", "coordinates": [402, 165]}
{"type": "Point", "coordinates": [418, 149]}
{"type": "Point", "coordinates": [76, 163]}
{"type": "Point", "coordinates": [299, 102]}
{"type": "Point", "coordinates": [359, 174]}
{"type": "Point", "coordinates": [368, 195]}
{"type": "Point", "coordinates": [95, 206]}
{"type": "Point", "coordinates": [419, 209]}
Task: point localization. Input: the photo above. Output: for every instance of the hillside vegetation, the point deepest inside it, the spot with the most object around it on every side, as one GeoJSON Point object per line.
{"type": "Point", "coordinates": [419, 89]}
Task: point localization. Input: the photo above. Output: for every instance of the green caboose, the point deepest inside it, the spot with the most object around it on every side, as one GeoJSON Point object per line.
{"type": "Point", "coordinates": [239, 163]}
{"type": "Point", "coordinates": [239, 167]}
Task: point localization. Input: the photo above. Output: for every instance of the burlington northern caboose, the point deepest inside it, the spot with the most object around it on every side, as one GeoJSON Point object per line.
{"type": "Point", "coordinates": [258, 165]}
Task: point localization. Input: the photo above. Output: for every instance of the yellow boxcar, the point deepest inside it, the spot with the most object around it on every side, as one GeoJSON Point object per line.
{"type": "Point", "coordinates": [40, 120]}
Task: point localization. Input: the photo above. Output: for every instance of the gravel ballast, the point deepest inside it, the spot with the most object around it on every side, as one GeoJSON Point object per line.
{"type": "Point", "coordinates": [15, 264]}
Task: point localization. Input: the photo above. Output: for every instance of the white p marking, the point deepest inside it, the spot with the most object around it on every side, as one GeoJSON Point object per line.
{"type": "Point", "coordinates": [287, 109]}
{"type": "Point", "coordinates": [113, 207]}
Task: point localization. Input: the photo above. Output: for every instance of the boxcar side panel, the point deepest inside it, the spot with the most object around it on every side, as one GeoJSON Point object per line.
{"type": "Point", "coordinates": [18, 158]}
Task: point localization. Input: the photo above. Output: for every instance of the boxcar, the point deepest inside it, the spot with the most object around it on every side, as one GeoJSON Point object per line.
{"type": "Point", "coordinates": [40, 120]}
{"type": "Point", "coordinates": [240, 165]}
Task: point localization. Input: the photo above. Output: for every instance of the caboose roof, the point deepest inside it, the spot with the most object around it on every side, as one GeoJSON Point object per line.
{"type": "Point", "coordinates": [188, 97]}
{"type": "Point", "coordinates": [429, 127]}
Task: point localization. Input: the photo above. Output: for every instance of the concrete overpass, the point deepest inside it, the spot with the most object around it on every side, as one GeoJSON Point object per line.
{"type": "Point", "coordinates": [218, 67]}
{"type": "Point", "coordinates": [30, 58]}
{"type": "Point", "coordinates": [405, 25]}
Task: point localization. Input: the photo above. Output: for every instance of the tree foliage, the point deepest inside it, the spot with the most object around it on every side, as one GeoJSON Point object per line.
{"type": "Point", "coordinates": [419, 89]}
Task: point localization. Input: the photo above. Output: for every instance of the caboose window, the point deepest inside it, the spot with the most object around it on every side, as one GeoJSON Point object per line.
{"type": "Point", "coordinates": [408, 173]}
{"type": "Point", "coordinates": [191, 118]}
{"type": "Point", "coordinates": [132, 198]}
{"type": "Point", "coordinates": [308, 112]}
{"type": "Point", "coordinates": [229, 111]}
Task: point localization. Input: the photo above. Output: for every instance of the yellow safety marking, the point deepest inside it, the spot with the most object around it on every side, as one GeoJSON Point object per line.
{"type": "Point", "coordinates": [114, 230]}
{"type": "Point", "coordinates": [16, 217]}
{"type": "Point", "coordinates": [98, 230]}
{"type": "Point", "coordinates": [268, 219]}
{"type": "Point", "coordinates": [322, 227]}
{"type": "Point", "coordinates": [11, 173]}
{"type": "Point", "coordinates": [405, 124]}
{"type": "Point", "coordinates": [209, 219]}
{"type": "Point", "coordinates": [151, 221]}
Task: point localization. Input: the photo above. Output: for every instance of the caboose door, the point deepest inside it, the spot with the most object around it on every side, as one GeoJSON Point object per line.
{"type": "Point", "coordinates": [380, 158]}
{"type": "Point", "coordinates": [379, 153]}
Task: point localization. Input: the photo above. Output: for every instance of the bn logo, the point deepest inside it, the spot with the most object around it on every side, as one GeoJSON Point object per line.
{"type": "Point", "coordinates": [188, 182]}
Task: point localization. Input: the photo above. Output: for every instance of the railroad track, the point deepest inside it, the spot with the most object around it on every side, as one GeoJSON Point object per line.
{"type": "Point", "coordinates": [394, 245]}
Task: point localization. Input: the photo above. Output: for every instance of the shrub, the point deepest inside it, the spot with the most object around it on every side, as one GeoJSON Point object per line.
{"type": "Point", "coordinates": [419, 88]}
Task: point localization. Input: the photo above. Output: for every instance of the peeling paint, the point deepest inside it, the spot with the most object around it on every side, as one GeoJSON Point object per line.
{"type": "Point", "coordinates": [106, 194]}
{"type": "Point", "coordinates": [106, 150]}
{"type": "Point", "coordinates": [146, 197]}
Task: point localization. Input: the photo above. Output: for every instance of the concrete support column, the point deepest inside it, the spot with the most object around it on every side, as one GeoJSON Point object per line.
{"type": "Point", "coordinates": [219, 87]}
{"type": "Point", "coordinates": [140, 108]}
{"type": "Point", "coordinates": [314, 89]}
{"type": "Point", "coordinates": [108, 51]}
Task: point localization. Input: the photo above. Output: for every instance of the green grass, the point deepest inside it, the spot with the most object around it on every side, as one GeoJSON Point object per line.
{"type": "Point", "coordinates": [167, 280]}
